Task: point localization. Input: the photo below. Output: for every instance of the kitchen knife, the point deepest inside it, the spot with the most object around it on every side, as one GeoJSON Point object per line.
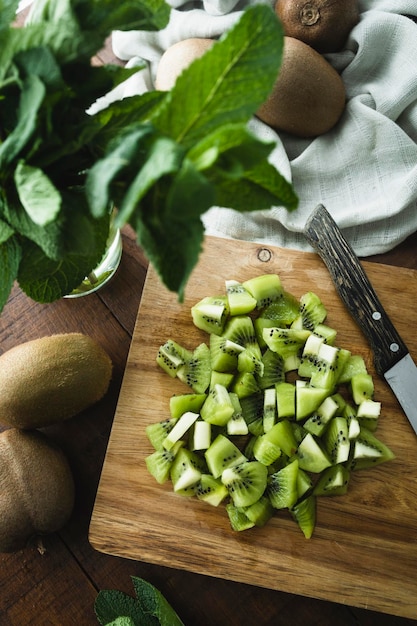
{"type": "Point", "coordinates": [391, 356]}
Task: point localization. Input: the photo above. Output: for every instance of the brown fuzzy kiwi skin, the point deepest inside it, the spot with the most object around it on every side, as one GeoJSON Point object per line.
{"type": "Point", "coordinates": [50, 379]}
{"type": "Point", "coordinates": [36, 488]}
{"type": "Point", "coordinates": [322, 24]}
{"type": "Point", "coordinates": [308, 97]}
{"type": "Point", "coordinates": [177, 58]}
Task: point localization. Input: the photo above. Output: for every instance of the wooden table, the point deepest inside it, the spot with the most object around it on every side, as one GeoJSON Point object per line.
{"type": "Point", "coordinates": [57, 583]}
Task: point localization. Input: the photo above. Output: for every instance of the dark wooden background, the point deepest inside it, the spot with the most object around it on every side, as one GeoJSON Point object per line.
{"type": "Point", "coordinates": [56, 582]}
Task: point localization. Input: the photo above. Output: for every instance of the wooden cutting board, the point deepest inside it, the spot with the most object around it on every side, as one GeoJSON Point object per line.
{"type": "Point", "coordinates": [364, 548]}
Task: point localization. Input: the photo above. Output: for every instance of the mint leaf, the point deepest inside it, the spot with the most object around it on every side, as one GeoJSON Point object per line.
{"type": "Point", "coordinates": [33, 92]}
{"type": "Point", "coordinates": [228, 83]}
{"type": "Point", "coordinates": [10, 255]}
{"type": "Point", "coordinates": [110, 605]}
{"type": "Point", "coordinates": [154, 603]}
{"type": "Point", "coordinates": [44, 279]}
{"type": "Point", "coordinates": [39, 197]}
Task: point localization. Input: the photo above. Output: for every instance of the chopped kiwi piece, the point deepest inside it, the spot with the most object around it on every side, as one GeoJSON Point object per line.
{"type": "Point", "coordinates": [309, 356]}
{"type": "Point", "coordinates": [307, 399]}
{"type": "Point", "coordinates": [285, 341]}
{"type": "Point", "coordinates": [282, 487]}
{"type": "Point", "coordinates": [224, 353]}
{"type": "Point", "coordinates": [273, 369]}
{"type": "Point", "coordinates": [369, 451]}
{"type": "Point", "coordinates": [159, 463]}
{"type": "Point", "coordinates": [196, 372]}
{"type": "Point", "coordinates": [200, 435]}
{"type": "Point", "coordinates": [210, 314]}
{"type": "Point", "coordinates": [238, 519]}
{"type": "Point", "coordinates": [245, 384]}
{"type": "Point", "coordinates": [336, 440]}
{"type": "Point", "coordinates": [239, 299]}
{"type": "Point", "coordinates": [333, 481]}
{"type": "Point", "coordinates": [211, 490]}
{"type": "Point", "coordinates": [158, 431]}
{"type": "Point", "coordinates": [362, 387]}
{"type": "Point", "coordinates": [270, 408]}
{"type": "Point", "coordinates": [237, 424]}
{"type": "Point", "coordinates": [311, 455]}
{"type": "Point", "coordinates": [260, 512]}
{"type": "Point", "coordinates": [221, 378]}
{"type": "Point", "coordinates": [217, 408]}
{"type": "Point", "coordinates": [278, 414]}
{"type": "Point", "coordinates": [246, 482]}
{"type": "Point", "coordinates": [183, 424]}
{"type": "Point", "coordinates": [221, 454]}
{"type": "Point", "coordinates": [265, 289]}
{"type": "Point", "coordinates": [285, 399]}
{"type": "Point", "coordinates": [171, 357]}
{"type": "Point", "coordinates": [304, 513]}
{"type": "Point", "coordinates": [186, 471]}
{"type": "Point", "coordinates": [266, 451]}
{"type": "Point", "coordinates": [354, 365]}
{"type": "Point", "coordinates": [179, 404]}
{"type": "Point", "coordinates": [312, 310]}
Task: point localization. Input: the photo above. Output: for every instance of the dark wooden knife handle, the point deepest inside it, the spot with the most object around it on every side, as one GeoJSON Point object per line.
{"type": "Point", "coordinates": [355, 289]}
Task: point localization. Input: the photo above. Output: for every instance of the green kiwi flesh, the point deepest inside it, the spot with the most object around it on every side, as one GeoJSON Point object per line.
{"type": "Point", "coordinates": [275, 414]}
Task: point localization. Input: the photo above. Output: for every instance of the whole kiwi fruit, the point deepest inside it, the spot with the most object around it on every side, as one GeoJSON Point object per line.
{"type": "Point", "coordinates": [50, 379]}
{"type": "Point", "coordinates": [308, 97]}
{"type": "Point", "coordinates": [322, 24]}
{"type": "Point", "coordinates": [36, 488]}
{"type": "Point", "coordinates": [177, 58]}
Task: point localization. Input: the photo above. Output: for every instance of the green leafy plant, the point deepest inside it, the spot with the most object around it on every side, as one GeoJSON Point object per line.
{"type": "Point", "coordinates": [162, 158]}
{"type": "Point", "coordinates": [148, 608]}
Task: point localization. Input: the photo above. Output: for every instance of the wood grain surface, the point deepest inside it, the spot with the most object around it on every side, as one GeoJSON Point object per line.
{"type": "Point", "coordinates": [364, 549]}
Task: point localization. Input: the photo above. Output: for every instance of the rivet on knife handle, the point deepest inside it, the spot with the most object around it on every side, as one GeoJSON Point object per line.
{"type": "Point", "coordinates": [355, 289]}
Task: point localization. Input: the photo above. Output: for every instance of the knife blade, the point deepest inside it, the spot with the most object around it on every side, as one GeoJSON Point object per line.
{"type": "Point", "coordinates": [392, 358]}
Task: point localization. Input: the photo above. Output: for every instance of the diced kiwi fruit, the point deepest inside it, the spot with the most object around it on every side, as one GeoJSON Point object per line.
{"type": "Point", "coordinates": [277, 415]}
{"type": "Point", "coordinates": [211, 490]}
{"type": "Point", "coordinates": [160, 461]}
{"type": "Point", "coordinates": [196, 372]}
{"type": "Point", "coordinates": [273, 369]}
{"type": "Point", "coordinates": [217, 408]}
{"type": "Point", "coordinates": [285, 341]}
{"type": "Point", "coordinates": [312, 310]}
{"type": "Point", "coordinates": [171, 356]}
{"type": "Point", "coordinates": [182, 425]}
{"type": "Point", "coordinates": [239, 299]}
{"type": "Point", "coordinates": [304, 513]}
{"type": "Point", "coordinates": [333, 481]}
{"type": "Point", "coordinates": [224, 353]}
{"type": "Point", "coordinates": [221, 454]}
{"type": "Point", "coordinates": [311, 455]}
{"type": "Point", "coordinates": [186, 471]}
{"type": "Point", "coordinates": [362, 387]}
{"type": "Point", "coordinates": [246, 482]}
{"type": "Point", "coordinates": [260, 512]}
{"type": "Point", "coordinates": [265, 289]}
{"type": "Point", "coordinates": [180, 403]}
{"type": "Point", "coordinates": [285, 399]}
{"type": "Point", "coordinates": [238, 519]}
{"type": "Point", "coordinates": [210, 314]}
{"type": "Point", "coordinates": [336, 440]}
{"type": "Point", "coordinates": [282, 486]}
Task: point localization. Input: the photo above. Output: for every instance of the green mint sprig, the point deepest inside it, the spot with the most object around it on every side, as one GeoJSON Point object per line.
{"type": "Point", "coordinates": [148, 608]}
{"type": "Point", "coordinates": [163, 159]}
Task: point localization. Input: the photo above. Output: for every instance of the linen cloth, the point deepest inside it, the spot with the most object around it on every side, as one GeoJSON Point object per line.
{"type": "Point", "coordinates": [364, 170]}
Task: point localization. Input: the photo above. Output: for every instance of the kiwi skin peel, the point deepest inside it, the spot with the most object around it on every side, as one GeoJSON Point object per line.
{"type": "Point", "coordinates": [36, 488]}
{"type": "Point", "coordinates": [48, 380]}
